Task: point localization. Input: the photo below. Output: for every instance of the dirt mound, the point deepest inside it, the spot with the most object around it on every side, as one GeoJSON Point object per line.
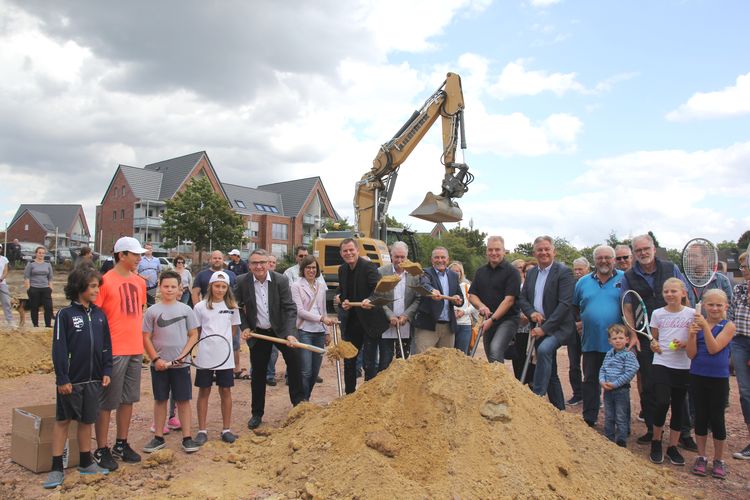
{"type": "Point", "coordinates": [440, 425]}
{"type": "Point", "coordinates": [25, 351]}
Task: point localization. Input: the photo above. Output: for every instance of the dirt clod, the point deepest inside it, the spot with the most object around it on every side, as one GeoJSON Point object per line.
{"type": "Point", "coordinates": [342, 350]}
{"type": "Point", "coordinates": [160, 457]}
{"type": "Point", "coordinates": [383, 442]}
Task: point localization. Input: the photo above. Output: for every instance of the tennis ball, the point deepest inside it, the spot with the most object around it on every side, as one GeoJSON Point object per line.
{"type": "Point", "coordinates": [673, 345]}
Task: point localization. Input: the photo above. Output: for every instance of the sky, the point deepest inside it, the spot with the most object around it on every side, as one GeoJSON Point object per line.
{"type": "Point", "coordinates": [582, 117]}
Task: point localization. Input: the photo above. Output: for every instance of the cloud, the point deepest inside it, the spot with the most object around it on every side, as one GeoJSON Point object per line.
{"type": "Point", "coordinates": [728, 102]}
{"type": "Point", "coordinates": [516, 80]}
{"type": "Point", "coordinates": [543, 3]}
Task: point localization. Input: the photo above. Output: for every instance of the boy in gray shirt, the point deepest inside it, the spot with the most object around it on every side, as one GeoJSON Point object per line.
{"type": "Point", "coordinates": [169, 332]}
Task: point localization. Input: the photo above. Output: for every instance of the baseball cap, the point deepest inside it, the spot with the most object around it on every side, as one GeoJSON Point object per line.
{"type": "Point", "coordinates": [234, 252]}
{"type": "Point", "coordinates": [129, 244]}
{"type": "Point", "coordinates": [219, 276]}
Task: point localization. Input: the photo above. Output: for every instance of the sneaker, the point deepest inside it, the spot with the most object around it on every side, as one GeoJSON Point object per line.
{"type": "Point", "coordinates": [656, 455]}
{"type": "Point", "coordinates": [190, 446]}
{"type": "Point", "coordinates": [318, 379]}
{"type": "Point", "coordinates": [720, 470]}
{"type": "Point", "coordinates": [271, 382]}
{"type": "Point", "coordinates": [201, 438]}
{"type": "Point", "coordinates": [744, 454]}
{"type": "Point", "coordinates": [92, 469]}
{"type": "Point", "coordinates": [674, 456]}
{"type": "Point", "coordinates": [165, 430]}
{"type": "Point", "coordinates": [688, 443]}
{"type": "Point", "coordinates": [699, 468]}
{"type": "Point", "coordinates": [640, 417]}
{"type": "Point", "coordinates": [622, 444]}
{"type": "Point", "coordinates": [575, 400]}
{"type": "Point", "coordinates": [645, 439]}
{"type": "Point", "coordinates": [174, 424]}
{"type": "Point", "coordinates": [228, 437]}
{"type": "Point", "coordinates": [254, 422]}
{"type": "Point", "coordinates": [54, 479]}
{"type": "Point", "coordinates": [103, 458]}
{"type": "Point", "coordinates": [125, 453]}
{"type": "Point", "coordinates": [154, 445]}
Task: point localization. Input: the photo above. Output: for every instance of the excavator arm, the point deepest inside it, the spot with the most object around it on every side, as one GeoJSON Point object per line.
{"type": "Point", "coordinates": [375, 189]}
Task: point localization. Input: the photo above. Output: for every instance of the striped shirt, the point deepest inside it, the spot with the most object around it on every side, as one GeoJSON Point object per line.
{"type": "Point", "coordinates": [739, 311]}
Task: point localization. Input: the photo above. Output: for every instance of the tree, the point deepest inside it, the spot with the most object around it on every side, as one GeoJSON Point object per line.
{"type": "Point", "coordinates": [200, 215]}
{"type": "Point", "coordinates": [526, 249]}
{"type": "Point", "coordinates": [653, 237]}
{"type": "Point", "coordinates": [565, 252]}
{"type": "Point", "coordinates": [391, 221]}
{"type": "Point", "coordinates": [727, 245]}
{"type": "Point", "coordinates": [337, 225]}
{"type": "Point", "coordinates": [743, 241]}
{"type": "Point", "coordinates": [473, 237]}
{"type": "Point", "coordinates": [675, 256]}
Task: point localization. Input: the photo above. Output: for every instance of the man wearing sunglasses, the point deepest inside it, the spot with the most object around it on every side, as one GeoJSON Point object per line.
{"type": "Point", "coordinates": [623, 258]}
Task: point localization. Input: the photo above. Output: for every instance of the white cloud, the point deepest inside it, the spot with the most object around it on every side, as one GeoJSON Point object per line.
{"type": "Point", "coordinates": [543, 3]}
{"type": "Point", "coordinates": [730, 101]}
{"type": "Point", "coordinates": [516, 80]}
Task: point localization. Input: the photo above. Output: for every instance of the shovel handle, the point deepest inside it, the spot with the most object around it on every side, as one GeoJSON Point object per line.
{"type": "Point", "coordinates": [309, 347]}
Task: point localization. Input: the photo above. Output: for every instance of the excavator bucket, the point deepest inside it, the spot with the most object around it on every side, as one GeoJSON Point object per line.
{"type": "Point", "coordinates": [438, 209]}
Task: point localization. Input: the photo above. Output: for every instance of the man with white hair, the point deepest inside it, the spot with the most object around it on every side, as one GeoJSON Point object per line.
{"type": "Point", "coordinates": [623, 258]}
{"type": "Point", "coordinates": [597, 300]}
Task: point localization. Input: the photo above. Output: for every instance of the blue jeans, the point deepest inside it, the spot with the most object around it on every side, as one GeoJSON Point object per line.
{"type": "Point", "coordinates": [546, 380]}
{"type": "Point", "coordinates": [497, 339]}
{"type": "Point", "coordinates": [740, 356]}
{"type": "Point", "coordinates": [463, 338]}
{"type": "Point", "coordinates": [310, 361]}
{"type": "Point", "coordinates": [617, 414]}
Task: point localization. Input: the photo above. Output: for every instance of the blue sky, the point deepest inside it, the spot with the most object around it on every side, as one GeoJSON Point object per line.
{"type": "Point", "coordinates": [582, 116]}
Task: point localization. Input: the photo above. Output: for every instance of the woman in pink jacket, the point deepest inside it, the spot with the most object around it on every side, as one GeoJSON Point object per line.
{"type": "Point", "coordinates": [310, 296]}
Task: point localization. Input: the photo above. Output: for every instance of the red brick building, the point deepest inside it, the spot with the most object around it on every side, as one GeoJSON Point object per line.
{"type": "Point", "coordinates": [277, 216]}
{"type": "Point", "coordinates": [49, 224]}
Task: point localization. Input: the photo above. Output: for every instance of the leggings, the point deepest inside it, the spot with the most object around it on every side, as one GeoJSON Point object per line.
{"type": "Point", "coordinates": [670, 387]}
{"type": "Point", "coordinates": [710, 395]}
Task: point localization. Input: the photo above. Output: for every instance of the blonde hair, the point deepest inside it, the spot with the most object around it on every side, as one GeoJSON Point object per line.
{"type": "Point", "coordinates": [618, 328]}
{"type": "Point", "coordinates": [718, 292]}
{"type": "Point", "coordinates": [458, 264]}
{"type": "Point", "coordinates": [681, 284]}
{"type": "Point", "coordinates": [228, 297]}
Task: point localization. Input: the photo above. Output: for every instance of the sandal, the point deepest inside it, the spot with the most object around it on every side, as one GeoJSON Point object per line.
{"type": "Point", "coordinates": [242, 375]}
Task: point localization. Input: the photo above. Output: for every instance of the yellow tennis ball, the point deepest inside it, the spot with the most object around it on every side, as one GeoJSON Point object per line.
{"type": "Point", "coordinates": [673, 345]}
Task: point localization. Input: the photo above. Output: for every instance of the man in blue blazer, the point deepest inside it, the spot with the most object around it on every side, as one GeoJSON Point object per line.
{"type": "Point", "coordinates": [546, 299]}
{"type": "Point", "coordinates": [435, 322]}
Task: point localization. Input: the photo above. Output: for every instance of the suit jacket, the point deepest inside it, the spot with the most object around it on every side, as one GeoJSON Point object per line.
{"type": "Point", "coordinates": [304, 297]}
{"type": "Point", "coordinates": [281, 309]}
{"type": "Point", "coordinates": [557, 301]}
{"type": "Point", "coordinates": [411, 298]}
{"type": "Point", "coordinates": [429, 310]}
{"type": "Point", "coordinates": [366, 277]}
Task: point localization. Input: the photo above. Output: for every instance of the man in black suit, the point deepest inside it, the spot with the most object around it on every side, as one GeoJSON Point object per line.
{"type": "Point", "coordinates": [546, 299]}
{"type": "Point", "coordinates": [435, 323]}
{"type": "Point", "coordinates": [362, 326]}
{"type": "Point", "coordinates": [266, 307]}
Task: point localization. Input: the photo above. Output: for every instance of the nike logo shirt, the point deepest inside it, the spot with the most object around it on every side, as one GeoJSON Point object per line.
{"type": "Point", "coordinates": [169, 325]}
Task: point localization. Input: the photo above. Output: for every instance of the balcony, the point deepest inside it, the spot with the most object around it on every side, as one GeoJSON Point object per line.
{"type": "Point", "coordinates": [311, 220]}
{"type": "Point", "coordinates": [151, 222]}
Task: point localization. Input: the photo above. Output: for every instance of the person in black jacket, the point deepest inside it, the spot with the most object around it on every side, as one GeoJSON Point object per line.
{"type": "Point", "coordinates": [82, 357]}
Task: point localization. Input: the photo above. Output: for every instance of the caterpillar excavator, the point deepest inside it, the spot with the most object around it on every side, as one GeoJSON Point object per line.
{"type": "Point", "coordinates": [373, 192]}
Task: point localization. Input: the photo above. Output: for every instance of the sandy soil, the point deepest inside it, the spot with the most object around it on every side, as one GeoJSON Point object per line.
{"type": "Point", "coordinates": [346, 442]}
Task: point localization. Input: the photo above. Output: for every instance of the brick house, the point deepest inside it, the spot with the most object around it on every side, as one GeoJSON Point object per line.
{"type": "Point", "coordinates": [47, 224]}
{"type": "Point", "coordinates": [277, 216]}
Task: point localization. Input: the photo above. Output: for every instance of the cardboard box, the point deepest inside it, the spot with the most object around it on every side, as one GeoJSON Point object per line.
{"type": "Point", "coordinates": [31, 441]}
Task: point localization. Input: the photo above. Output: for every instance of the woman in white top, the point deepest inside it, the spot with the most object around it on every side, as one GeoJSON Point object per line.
{"type": "Point", "coordinates": [464, 313]}
{"type": "Point", "coordinates": [310, 297]}
{"type": "Point", "coordinates": [185, 279]}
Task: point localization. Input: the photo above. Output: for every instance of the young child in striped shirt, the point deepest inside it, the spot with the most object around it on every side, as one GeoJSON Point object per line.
{"type": "Point", "coordinates": [618, 369]}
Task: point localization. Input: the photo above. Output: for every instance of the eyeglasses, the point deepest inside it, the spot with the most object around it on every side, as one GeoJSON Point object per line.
{"type": "Point", "coordinates": [179, 262]}
{"type": "Point", "coordinates": [312, 267]}
{"type": "Point", "coordinates": [623, 257]}
{"type": "Point", "coordinates": [258, 262]}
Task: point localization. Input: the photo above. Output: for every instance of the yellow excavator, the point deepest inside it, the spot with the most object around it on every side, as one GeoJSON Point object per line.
{"type": "Point", "coordinates": [373, 192]}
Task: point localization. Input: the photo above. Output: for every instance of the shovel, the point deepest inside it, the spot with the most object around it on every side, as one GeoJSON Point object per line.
{"type": "Point", "coordinates": [377, 301]}
{"type": "Point", "coordinates": [342, 350]}
{"type": "Point", "coordinates": [529, 351]}
{"type": "Point", "coordinates": [339, 384]}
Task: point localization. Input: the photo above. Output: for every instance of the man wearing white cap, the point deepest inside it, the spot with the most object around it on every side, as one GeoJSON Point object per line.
{"type": "Point", "coordinates": [122, 296]}
{"type": "Point", "coordinates": [236, 264]}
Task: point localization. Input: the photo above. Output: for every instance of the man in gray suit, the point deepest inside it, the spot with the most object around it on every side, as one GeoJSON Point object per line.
{"type": "Point", "coordinates": [401, 311]}
{"type": "Point", "coordinates": [546, 299]}
{"type": "Point", "coordinates": [266, 307]}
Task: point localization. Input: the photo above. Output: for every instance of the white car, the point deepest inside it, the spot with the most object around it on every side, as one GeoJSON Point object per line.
{"type": "Point", "coordinates": [166, 263]}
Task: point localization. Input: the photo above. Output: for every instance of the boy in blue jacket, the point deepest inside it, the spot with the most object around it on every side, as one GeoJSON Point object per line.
{"type": "Point", "coordinates": [618, 369]}
{"type": "Point", "coordinates": [82, 357]}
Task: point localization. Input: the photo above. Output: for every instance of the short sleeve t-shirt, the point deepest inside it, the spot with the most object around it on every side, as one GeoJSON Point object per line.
{"type": "Point", "coordinates": [672, 326]}
{"type": "Point", "coordinates": [219, 320]}
{"type": "Point", "coordinates": [168, 325]}
{"type": "Point", "coordinates": [122, 300]}
{"type": "Point", "coordinates": [3, 263]}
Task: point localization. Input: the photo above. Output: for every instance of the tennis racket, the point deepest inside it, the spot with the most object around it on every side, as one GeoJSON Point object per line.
{"type": "Point", "coordinates": [639, 321]}
{"type": "Point", "coordinates": [700, 260]}
{"type": "Point", "coordinates": [217, 343]}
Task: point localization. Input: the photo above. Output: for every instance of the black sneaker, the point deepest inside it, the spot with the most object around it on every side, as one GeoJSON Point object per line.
{"type": "Point", "coordinates": [271, 382]}
{"type": "Point", "coordinates": [228, 437]}
{"type": "Point", "coordinates": [575, 400]}
{"type": "Point", "coordinates": [744, 454]}
{"type": "Point", "coordinates": [622, 444]}
{"type": "Point", "coordinates": [190, 446]}
{"type": "Point", "coordinates": [125, 453]}
{"type": "Point", "coordinates": [318, 379]}
{"type": "Point", "coordinates": [645, 439]}
{"type": "Point", "coordinates": [154, 445]}
{"type": "Point", "coordinates": [103, 458]}
{"type": "Point", "coordinates": [656, 455]}
{"type": "Point", "coordinates": [688, 443]}
{"type": "Point", "coordinates": [674, 456]}
{"type": "Point", "coordinates": [254, 422]}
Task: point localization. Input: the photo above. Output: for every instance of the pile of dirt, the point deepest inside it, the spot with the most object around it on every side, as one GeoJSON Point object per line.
{"type": "Point", "coordinates": [439, 425]}
{"type": "Point", "coordinates": [25, 351]}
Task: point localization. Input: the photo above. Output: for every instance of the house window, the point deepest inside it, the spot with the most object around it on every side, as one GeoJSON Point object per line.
{"type": "Point", "coordinates": [122, 214]}
{"type": "Point", "coordinates": [137, 205]}
{"type": "Point", "coordinates": [25, 227]}
{"type": "Point", "coordinates": [114, 193]}
{"type": "Point", "coordinates": [279, 231]}
{"type": "Point", "coordinates": [114, 214]}
{"type": "Point", "coordinates": [123, 191]}
{"type": "Point", "coordinates": [266, 208]}
{"type": "Point", "coordinates": [273, 209]}
{"type": "Point", "coordinates": [278, 250]}
{"type": "Point", "coordinates": [137, 230]}
{"type": "Point", "coordinates": [240, 203]}
{"type": "Point", "coordinates": [253, 228]}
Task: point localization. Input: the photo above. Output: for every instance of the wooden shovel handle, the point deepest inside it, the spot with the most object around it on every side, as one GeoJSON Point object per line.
{"type": "Point", "coordinates": [284, 341]}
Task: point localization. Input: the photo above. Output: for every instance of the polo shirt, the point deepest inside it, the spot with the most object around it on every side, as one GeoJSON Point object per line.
{"type": "Point", "coordinates": [599, 304]}
{"type": "Point", "coordinates": [492, 285]}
